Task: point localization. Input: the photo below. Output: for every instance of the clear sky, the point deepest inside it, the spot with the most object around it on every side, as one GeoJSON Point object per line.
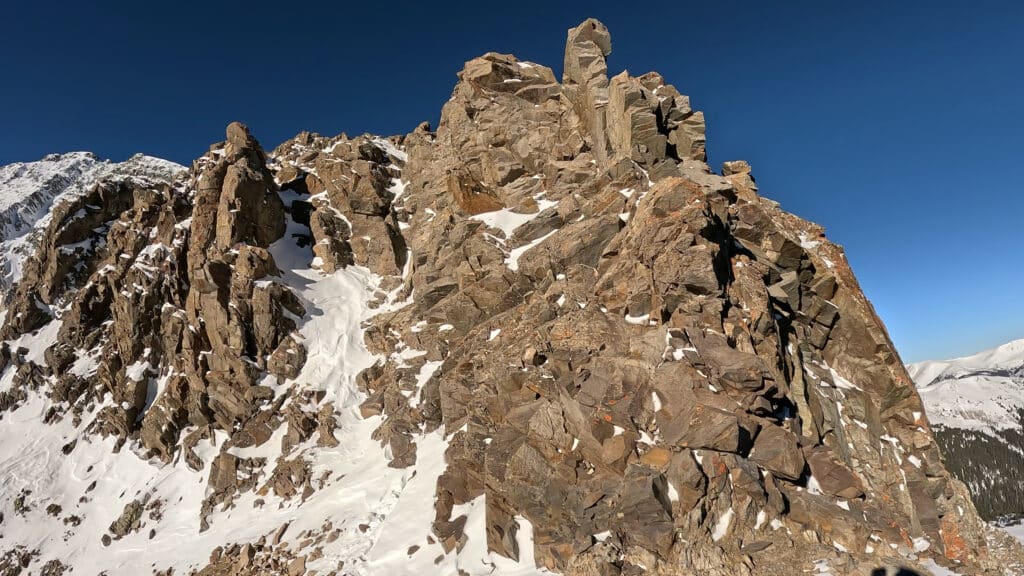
{"type": "Point", "coordinates": [899, 126]}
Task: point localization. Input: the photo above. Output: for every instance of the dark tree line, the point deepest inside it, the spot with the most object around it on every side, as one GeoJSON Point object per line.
{"type": "Point", "coordinates": [992, 467]}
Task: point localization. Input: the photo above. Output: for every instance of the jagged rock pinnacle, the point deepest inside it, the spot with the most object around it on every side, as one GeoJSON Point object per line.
{"type": "Point", "coordinates": [586, 47]}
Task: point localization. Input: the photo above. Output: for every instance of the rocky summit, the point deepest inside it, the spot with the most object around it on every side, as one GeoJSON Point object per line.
{"type": "Point", "coordinates": [544, 338]}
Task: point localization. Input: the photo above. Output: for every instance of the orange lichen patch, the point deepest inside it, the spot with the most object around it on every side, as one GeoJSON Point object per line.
{"type": "Point", "coordinates": [656, 458]}
{"type": "Point", "coordinates": [562, 332]}
{"type": "Point", "coordinates": [721, 469]}
{"type": "Point", "coordinates": [955, 545]}
{"type": "Point", "coordinates": [536, 389]}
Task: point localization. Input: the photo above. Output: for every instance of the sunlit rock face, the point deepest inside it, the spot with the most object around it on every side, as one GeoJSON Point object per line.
{"type": "Point", "coordinates": [544, 337]}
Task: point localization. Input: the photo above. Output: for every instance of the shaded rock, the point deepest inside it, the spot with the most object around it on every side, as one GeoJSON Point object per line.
{"type": "Point", "coordinates": [776, 449]}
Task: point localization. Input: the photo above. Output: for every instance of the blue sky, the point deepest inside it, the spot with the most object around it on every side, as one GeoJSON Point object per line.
{"type": "Point", "coordinates": [896, 125]}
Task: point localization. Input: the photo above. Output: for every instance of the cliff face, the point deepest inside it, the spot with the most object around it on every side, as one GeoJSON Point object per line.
{"type": "Point", "coordinates": [544, 337]}
{"type": "Point", "coordinates": [30, 191]}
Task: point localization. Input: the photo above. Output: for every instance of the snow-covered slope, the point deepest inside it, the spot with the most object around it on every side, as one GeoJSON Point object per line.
{"type": "Point", "coordinates": [982, 392]}
{"type": "Point", "coordinates": [28, 190]}
{"type": "Point", "coordinates": [976, 406]}
{"type": "Point", "coordinates": [376, 513]}
{"type": "Point", "coordinates": [65, 489]}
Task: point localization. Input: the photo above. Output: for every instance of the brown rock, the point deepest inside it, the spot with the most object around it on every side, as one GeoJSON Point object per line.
{"type": "Point", "coordinates": [833, 475]}
{"type": "Point", "coordinates": [297, 567]}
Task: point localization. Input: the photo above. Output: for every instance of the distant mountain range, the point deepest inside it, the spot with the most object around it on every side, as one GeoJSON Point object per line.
{"type": "Point", "coordinates": [976, 406]}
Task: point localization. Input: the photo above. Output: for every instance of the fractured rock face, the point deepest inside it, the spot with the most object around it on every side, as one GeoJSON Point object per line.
{"type": "Point", "coordinates": [168, 288]}
{"type": "Point", "coordinates": [350, 183]}
{"type": "Point", "coordinates": [630, 345]}
{"type": "Point", "coordinates": [642, 363]}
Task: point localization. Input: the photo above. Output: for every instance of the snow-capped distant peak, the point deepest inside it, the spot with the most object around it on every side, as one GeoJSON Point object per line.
{"type": "Point", "coordinates": [28, 188]}
{"type": "Point", "coordinates": [984, 391]}
{"type": "Point", "coordinates": [29, 191]}
{"type": "Point", "coordinates": [1006, 357]}
{"type": "Point", "coordinates": [22, 180]}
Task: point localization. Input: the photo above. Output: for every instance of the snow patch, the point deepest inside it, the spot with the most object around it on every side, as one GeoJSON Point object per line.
{"type": "Point", "coordinates": [722, 526]}
{"type": "Point", "coordinates": [507, 221]}
{"type": "Point", "coordinates": [513, 258]}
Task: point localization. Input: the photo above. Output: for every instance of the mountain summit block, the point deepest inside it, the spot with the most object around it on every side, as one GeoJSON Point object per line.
{"type": "Point", "coordinates": [544, 337]}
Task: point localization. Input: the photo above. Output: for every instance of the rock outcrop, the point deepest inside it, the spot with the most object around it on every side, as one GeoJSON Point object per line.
{"type": "Point", "coordinates": [632, 364]}
{"type": "Point", "coordinates": [170, 314]}
{"type": "Point", "coordinates": [656, 354]}
{"type": "Point", "coordinates": [31, 190]}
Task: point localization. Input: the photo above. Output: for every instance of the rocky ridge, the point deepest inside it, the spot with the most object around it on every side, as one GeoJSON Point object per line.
{"type": "Point", "coordinates": [31, 189]}
{"type": "Point", "coordinates": [586, 351]}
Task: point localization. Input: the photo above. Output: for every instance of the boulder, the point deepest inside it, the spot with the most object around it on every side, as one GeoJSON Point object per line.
{"type": "Point", "coordinates": [698, 426]}
{"type": "Point", "coordinates": [833, 475]}
{"type": "Point", "coordinates": [777, 450]}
